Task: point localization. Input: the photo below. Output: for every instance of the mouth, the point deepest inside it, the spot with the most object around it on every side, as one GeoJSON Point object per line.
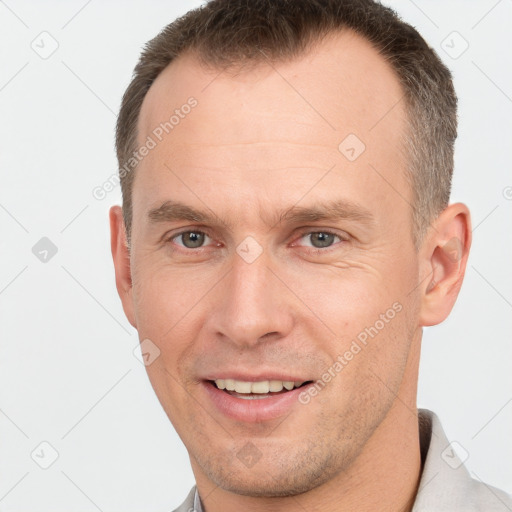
{"type": "Point", "coordinates": [248, 390]}
{"type": "Point", "coordinates": [254, 398]}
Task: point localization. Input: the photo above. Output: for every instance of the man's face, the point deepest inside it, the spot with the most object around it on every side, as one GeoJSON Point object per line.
{"type": "Point", "coordinates": [255, 295]}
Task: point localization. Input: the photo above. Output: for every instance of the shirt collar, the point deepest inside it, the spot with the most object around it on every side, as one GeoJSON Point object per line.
{"type": "Point", "coordinates": [197, 503]}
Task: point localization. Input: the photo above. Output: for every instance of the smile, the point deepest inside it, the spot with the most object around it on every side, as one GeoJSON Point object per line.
{"type": "Point", "coordinates": [253, 401]}
{"type": "Point", "coordinates": [251, 390]}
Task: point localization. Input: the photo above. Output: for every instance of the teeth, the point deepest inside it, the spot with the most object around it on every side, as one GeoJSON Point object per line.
{"type": "Point", "coordinates": [276, 385]}
{"type": "Point", "coordinates": [260, 387]}
{"type": "Point", "coordinates": [242, 387]}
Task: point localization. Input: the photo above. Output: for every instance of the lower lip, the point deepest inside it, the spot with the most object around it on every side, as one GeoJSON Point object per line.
{"type": "Point", "coordinates": [253, 410]}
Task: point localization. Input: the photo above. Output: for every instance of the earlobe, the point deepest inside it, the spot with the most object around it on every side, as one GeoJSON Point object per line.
{"type": "Point", "coordinates": [446, 250]}
{"type": "Point", "coordinates": [121, 257]}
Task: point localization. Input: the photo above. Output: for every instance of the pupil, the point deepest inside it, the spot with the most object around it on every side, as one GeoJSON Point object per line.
{"type": "Point", "coordinates": [323, 239]}
{"type": "Point", "coordinates": [193, 239]}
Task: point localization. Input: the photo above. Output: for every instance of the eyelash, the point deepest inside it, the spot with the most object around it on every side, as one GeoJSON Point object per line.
{"type": "Point", "coordinates": [314, 250]}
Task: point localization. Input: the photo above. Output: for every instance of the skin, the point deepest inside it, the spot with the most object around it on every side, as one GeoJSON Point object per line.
{"type": "Point", "coordinates": [260, 141]}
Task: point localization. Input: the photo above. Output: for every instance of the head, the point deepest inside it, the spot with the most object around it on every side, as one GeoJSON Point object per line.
{"type": "Point", "coordinates": [288, 219]}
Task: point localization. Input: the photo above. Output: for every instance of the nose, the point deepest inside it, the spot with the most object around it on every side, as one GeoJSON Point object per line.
{"type": "Point", "coordinates": [252, 304]}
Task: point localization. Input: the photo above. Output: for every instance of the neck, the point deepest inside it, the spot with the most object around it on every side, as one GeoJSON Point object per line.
{"type": "Point", "coordinates": [384, 477]}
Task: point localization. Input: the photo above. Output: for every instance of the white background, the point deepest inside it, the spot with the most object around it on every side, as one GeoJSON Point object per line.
{"type": "Point", "coordinates": [68, 375]}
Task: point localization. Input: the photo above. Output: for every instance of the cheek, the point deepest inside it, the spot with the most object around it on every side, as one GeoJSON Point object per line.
{"type": "Point", "coordinates": [364, 313]}
{"type": "Point", "coordinates": [164, 304]}
{"type": "Point", "coordinates": [349, 301]}
{"type": "Point", "coordinates": [164, 297]}
{"type": "Point", "coordinates": [161, 306]}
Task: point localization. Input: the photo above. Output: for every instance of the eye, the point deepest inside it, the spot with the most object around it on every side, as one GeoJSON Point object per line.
{"type": "Point", "coordinates": [321, 239]}
{"type": "Point", "coordinates": [190, 239]}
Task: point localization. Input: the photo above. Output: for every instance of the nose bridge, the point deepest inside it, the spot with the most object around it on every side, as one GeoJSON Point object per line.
{"type": "Point", "coordinates": [250, 303]}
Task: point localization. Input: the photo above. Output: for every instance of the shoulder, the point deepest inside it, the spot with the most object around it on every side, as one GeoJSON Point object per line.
{"type": "Point", "coordinates": [487, 498]}
{"type": "Point", "coordinates": [446, 484]}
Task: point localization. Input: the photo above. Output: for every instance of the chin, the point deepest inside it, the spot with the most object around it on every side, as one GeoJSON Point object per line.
{"type": "Point", "coordinates": [270, 487]}
{"type": "Point", "coordinates": [278, 477]}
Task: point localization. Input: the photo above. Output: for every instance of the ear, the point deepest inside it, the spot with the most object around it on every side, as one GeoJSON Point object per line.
{"type": "Point", "coordinates": [445, 252]}
{"type": "Point", "coordinates": [122, 265]}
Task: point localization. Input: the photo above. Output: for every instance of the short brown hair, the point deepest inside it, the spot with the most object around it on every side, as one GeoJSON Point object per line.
{"type": "Point", "coordinates": [226, 33]}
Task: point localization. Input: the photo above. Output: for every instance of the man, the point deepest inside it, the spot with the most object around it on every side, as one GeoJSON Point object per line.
{"type": "Point", "coordinates": [285, 235]}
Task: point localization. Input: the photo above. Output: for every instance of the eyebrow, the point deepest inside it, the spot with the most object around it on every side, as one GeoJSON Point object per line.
{"type": "Point", "coordinates": [172, 211]}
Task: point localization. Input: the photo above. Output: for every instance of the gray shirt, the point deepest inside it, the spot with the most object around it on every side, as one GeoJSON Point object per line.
{"type": "Point", "coordinates": [445, 484]}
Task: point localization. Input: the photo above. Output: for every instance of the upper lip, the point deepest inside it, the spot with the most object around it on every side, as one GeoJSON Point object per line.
{"type": "Point", "coordinates": [256, 377]}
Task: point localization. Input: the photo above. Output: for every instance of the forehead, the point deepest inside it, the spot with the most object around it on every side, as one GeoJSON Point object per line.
{"type": "Point", "coordinates": [341, 79]}
{"type": "Point", "coordinates": [277, 123]}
